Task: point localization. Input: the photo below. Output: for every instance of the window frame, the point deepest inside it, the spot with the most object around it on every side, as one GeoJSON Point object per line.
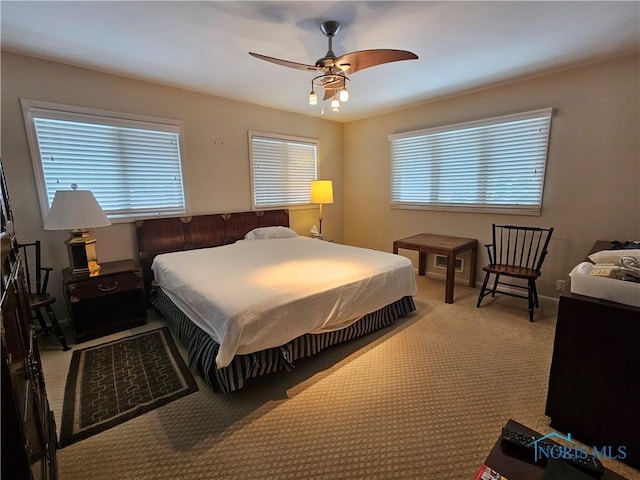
{"type": "Point", "coordinates": [523, 209]}
{"type": "Point", "coordinates": [282, 138]}
{"type": "Point", "coordinates": [31, 109]}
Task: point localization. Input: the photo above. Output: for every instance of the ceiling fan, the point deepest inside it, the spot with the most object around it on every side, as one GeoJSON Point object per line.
{"type": "Point", "coordinates": [333, 80]}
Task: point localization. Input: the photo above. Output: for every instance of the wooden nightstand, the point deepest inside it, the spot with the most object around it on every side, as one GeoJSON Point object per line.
{"type": "Point", "coordinates": [108, 302]}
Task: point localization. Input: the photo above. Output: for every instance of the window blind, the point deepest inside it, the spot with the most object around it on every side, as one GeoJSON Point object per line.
{"type": "Point", "coordinates": [133, 168]}
{"type": "Point", "coordinates": [496, 164]}
{"type": "Point", "coordinates": [282, 170]}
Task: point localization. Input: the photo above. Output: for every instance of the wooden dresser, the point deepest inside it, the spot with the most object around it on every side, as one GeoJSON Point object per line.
{"type": "Point", "coordinates": [28, 426]}
{"type": "Point", "coordinates": [594, 382]}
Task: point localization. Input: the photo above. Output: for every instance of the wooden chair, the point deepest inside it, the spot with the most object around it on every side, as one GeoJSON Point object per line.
{"type": "Point", "coordinates": [38, 296]}
{"type": "Point", "coordinates": [516, 252]}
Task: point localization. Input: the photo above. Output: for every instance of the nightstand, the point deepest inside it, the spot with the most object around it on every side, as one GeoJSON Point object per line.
{"type": "Point", "coordinates": [108, 302]}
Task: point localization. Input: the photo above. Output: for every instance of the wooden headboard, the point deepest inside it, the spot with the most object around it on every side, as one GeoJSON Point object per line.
{"type": "Point", "coordinates": [174, 234]}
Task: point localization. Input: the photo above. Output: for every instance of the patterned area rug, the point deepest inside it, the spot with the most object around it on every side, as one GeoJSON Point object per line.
{"type": "Point", "coordinates": [114, 382]}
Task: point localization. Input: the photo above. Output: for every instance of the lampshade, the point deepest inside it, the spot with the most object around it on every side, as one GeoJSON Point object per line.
{"type": "Point", "coordinates": [77, 211]}
{"type": "Point", "coordinates": [313, 98]}
{"type": "Point", "coordinates": [321, 191]}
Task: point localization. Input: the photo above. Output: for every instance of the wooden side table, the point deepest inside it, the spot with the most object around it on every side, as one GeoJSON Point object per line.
{"type": "Point", "coordinates": [108, 302]}
{"type": "Point", "coordinates": [443, 245]}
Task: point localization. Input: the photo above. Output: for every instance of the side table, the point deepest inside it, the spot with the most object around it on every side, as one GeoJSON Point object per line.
{"type": "Point", "coordinates": [444, 245]}
{"type": "Point", "coordinates": [105, 303]}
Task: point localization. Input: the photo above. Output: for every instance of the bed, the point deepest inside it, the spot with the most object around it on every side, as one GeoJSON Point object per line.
{"type": "Point", "coordinates": [249, 297]}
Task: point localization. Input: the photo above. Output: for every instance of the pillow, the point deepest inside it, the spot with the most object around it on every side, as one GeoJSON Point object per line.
{"type": "Point", "coordinates": [263, 233]}
{"type": "Point", "coordinates": [613, 256]}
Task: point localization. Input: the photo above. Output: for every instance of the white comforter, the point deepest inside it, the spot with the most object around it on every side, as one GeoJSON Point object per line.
{"type": "Point", "coordinates": [259, 294]}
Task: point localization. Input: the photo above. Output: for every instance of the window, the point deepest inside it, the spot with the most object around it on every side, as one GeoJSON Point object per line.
{"type": "Point", "coordinates": [495, 165]}
{"type": "Point", "coordinates": [282, 169]}
{"type": "Point", "coordinates": [132, 165]}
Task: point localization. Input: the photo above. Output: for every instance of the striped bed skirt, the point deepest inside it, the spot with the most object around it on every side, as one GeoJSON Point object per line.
{"type": "Point", "coordinates": [203, 349]}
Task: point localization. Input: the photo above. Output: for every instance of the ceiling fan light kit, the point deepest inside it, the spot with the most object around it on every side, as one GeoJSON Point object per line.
{"type": "Point", "coordinates": [333, 80]}
{"type": "Point", "coordinates": [335, 87]}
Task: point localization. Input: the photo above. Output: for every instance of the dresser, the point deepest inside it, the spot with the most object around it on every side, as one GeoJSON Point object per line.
{"type": "Point", "coordinates": [594, 382]}
{"type": "Point", "coordinates": [28, 425]}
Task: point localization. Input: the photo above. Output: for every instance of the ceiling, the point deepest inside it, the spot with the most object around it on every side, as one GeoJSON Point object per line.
{"type": "Point", "coordinates": [203, 46]}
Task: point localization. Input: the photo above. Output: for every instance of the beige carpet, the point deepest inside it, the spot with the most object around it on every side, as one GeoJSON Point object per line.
{"type": "Point", "coordinates": [424, 399]}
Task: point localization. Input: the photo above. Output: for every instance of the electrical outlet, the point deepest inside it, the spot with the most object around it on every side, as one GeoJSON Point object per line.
{"type": "Point", "coordinates": [560, 285]}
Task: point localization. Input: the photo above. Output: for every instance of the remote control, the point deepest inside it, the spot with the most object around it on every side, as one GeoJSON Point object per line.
{"type": "Point", "coordinates": [583, 461]}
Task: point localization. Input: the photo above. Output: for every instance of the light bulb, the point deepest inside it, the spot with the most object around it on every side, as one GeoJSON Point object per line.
{"type": "Point", "coordinates": [313, 98]}
{"type": "Point", "coordinates": [344, 95]}
{"type": "Point", "coordinates": [335, 104]}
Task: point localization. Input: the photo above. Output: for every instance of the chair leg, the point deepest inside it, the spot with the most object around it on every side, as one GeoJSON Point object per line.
{"type": "Point", "coordinates": [531, 299]}
{"type": "Point", "coordinates": [43, 325]}
{"type": "Point", "coordinates": [495, 286]}
{"type": "Point", "coordinates": [482, 290]}
{"type": "Point", "coordinates": [535, 293]}
{"type": "Point", "coordinates": [56, 327]}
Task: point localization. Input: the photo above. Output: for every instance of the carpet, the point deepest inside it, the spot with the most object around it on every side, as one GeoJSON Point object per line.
{"type": "Point", "coordinates": [424, 399]}
{"type": "Point", "coordinates": [116, 381]}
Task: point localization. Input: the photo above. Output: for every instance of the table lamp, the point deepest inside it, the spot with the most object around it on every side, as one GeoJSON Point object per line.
{"type": "Point", "coordinates": [321, 193]}
{"type": "Point", "coordinates": [77, 211]}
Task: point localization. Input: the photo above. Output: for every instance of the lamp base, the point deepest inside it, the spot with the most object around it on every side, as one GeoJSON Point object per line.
{"type": "Point", "coordinates": [81, 248]}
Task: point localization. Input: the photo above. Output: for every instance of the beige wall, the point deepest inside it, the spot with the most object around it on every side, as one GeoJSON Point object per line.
{"type": "Point", "coordinates": [216, 154]}
{"type": "Point", "coordinates": [592, 187]}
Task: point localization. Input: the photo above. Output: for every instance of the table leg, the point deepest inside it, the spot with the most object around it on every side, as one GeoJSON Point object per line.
{"type": "Point", "coordinates": [422, 263]}
{"type": "Point", "coordinates": [472, 273]}
{"type": "Point", "coordinates": [451, 275]}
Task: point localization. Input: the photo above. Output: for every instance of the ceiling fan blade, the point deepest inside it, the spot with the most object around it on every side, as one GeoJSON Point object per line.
{"type": "Point", "coordinates": [332, 81]}
{"type": "Point", "coordinates": [370, 58]}
{"type": "Point", "coordinates": [329, 93]}
{"type": "Point", "coordinates": [331, 86]}
{"type": "Point", "coordinates": [286, 63]}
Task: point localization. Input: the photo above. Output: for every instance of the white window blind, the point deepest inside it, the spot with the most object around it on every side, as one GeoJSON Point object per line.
{"type": "Point", "coordinates": [282, 169]}
{"type": "Point", "coordinates": [132, 167]}
{"type": "Point", "coordinates": [496, 165]}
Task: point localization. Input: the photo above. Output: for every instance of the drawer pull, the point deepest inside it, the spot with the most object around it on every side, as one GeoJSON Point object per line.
{"type": "Point", "coordinates": [108, 289]}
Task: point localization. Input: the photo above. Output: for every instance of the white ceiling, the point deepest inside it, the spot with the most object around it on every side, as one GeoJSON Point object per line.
{"type": "Point", "coordinates": [203, 46]}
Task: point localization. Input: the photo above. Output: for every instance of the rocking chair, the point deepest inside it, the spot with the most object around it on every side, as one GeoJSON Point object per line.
{"type": "Point", "coordinates": [38, 296]}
